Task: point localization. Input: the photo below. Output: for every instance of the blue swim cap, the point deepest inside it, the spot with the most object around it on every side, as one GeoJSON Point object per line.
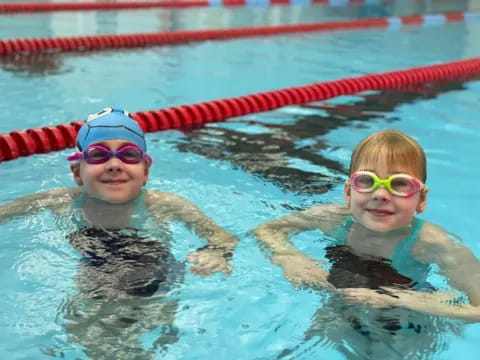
{"type": "Point", "coordinates": [110, 124]}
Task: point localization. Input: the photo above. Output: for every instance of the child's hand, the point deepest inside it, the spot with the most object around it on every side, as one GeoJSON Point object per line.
{"type": "Point", "coordinates": [300, 269]}
{"type": "Point", "coordinates": [207, 261]}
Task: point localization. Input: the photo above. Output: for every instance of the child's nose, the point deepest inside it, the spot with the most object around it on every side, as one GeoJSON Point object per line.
{"type": "Point", "coordinates": [381, 194]}
{"type": "Point", "coordinates": [114, 164]}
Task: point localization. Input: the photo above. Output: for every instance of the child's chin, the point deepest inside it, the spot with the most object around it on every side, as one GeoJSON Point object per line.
{"type": "Point", "coordinates": [378, 227]}
{"type": "Point", "coordinates": [116, 199]}
{"type": "Point", "coordinates": [120, 201]}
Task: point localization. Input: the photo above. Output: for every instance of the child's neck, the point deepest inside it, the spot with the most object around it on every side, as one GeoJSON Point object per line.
{"type": "Point", "coordinates": [105, 215]}
{"type": "Point", "coordinates": [376, 243]}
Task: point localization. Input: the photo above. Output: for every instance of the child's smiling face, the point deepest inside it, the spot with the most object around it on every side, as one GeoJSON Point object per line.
{"type": "Point", "coordinates": [113, 181]}
{"type": "Point", "coordinates": [380, 210]}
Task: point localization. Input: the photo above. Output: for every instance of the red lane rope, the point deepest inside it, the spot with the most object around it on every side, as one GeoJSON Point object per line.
{"type": "Point", "coordinates": [53, 138]}
{"type": "Point", "coordinates": [100, 42]}
{"type": "Point", "coordinates": [104, 5]}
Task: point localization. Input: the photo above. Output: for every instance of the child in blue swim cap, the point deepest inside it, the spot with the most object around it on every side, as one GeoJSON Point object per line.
{"type": "Point", "coordinates": [127, 264]}
{"type": "Point", "coordinates": [111, 166]}
{"type": "Point", "coordinates": [111, 163]}
{"type": "Point", "coordinates": [110, 124]}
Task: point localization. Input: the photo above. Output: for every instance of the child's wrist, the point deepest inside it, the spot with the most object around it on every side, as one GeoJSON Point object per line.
{"type": "Point", "coordinates": [225, 251]}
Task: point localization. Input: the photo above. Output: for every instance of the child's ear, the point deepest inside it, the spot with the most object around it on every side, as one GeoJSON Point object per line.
{"type": "Point", "coordinates": [147, 172]}
{"type": "Point", "coordinates": [347, 190]}
{"type": "Point", "coordinates": [75, 168]}
{"type": "Point", "coordinates": [422, 203]}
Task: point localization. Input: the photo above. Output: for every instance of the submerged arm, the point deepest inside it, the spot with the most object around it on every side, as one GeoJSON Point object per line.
{"type": "Point", "coordinates": [54, 200]}
{"type": "Point", "coordinates": [439, 304]}
{"type": "Point", "coordinates": [275, 234]}
{"type": "Point", "coordinates": [456, 262]}
{"type": "Point", "coordinates": [215, 255]}
{"type": "Point", "coordinates": [297, 266]}
{"type": "Point", "coordinates": [460, 267]}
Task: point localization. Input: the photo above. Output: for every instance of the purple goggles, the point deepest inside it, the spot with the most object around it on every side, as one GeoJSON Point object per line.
{"type": "Point", "coordinates": [99, 154]}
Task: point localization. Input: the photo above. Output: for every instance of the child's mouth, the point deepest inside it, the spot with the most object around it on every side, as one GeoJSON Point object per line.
{"type": "Point", "coordinates": [114, 182]}
{"type": "Point", "coordinates": [379, 212]}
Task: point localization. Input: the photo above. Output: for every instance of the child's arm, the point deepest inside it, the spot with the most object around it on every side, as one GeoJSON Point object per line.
{"type": "Point", "coordinates": [456, 262]}
{"type": "Point", "coordinates": [439, 303]}
{"type": "Point", "coordinates": [54, 200]}
{"type": "Point", "coordinates": [297, 266]}
{"type": "Point", "coordinates": [215, 255]}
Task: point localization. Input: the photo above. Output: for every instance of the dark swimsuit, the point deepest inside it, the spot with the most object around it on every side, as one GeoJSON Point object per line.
{"type": "Point", "coordinates": [140, 265]}
{"type": "Point", "coordinates": [131, 263]}
{"type": "Point", "coordinates": [350, 270]}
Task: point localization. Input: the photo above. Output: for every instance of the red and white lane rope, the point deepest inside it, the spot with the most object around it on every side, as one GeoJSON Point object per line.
{"type": "Point", "coordinates": [53, 138]}
{"type": "Point", "coordinates": [105, 5]}
{"type": "Point", "coordinates": [101, 42]}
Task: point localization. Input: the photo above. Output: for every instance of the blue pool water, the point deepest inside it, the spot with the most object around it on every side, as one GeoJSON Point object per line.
{"type": "Point", "coordinates": [241, 173]}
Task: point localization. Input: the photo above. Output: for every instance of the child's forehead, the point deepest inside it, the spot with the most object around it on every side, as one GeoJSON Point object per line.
{"type": "Point", "coordinates": [382, 166]}
{"type": "Point", "coordinates": [114, 143]}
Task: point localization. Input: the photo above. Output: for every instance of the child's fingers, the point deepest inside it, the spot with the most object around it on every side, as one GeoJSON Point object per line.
{"type": "Point", "coordinates": [207, 268]}
{"type": "Point", "coordinates": [308, 279]}
{"type": "Point", "coordinates": [193, 258]}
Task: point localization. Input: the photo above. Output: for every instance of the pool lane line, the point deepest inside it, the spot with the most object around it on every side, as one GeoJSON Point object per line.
{"type": "Point", "coordinates": [55, 138]}
{"type": "Point", "coordinates": [28, 7]}
{"type": "Point", "coordinates": [104, 42]}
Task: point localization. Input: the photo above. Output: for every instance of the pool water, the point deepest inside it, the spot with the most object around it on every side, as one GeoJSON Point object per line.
{"type": "Point", "coordinates": [241, 173]}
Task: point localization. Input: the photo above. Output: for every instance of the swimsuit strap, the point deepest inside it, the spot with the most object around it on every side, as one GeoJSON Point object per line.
{"type": "Point", "coordinates": [140, 212]}
{"type": "Point", "coordinates": [340, 234]}
{"type": "Point", "coordinates": [405, 247]}
{"type": "Point", "coordinates": [403, 260]}
{"type": "Point", "coordinates": [77, 213]}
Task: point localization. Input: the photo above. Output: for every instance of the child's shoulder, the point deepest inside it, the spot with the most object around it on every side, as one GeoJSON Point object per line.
{"type": "Point", "coordinates": [157, 195]}
{"type": "Point", "coordinates": [58, 200]}
{"type": "Point", "coordinates": [432, 234]}
{"type": "Point", "coordinates": [328, 211]}
{"type": "Point", "coordinates": [327, 217]}
{"type": "Point", "coordinates": [156, 198]}
{"type": "Point", "coordinates": [54, 196]}
{"type": "Point", "coordinates": [435, 241]}
{"type": "Point", "coordinates": [66, 192]}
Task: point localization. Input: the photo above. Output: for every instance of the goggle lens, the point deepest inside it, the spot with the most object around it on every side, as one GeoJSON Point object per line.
{"type": "Point", "coordinates": [403, 185]}
{"type": "Point", "coordinates": [96, 155]}
{"type": "Point", "coordinates": [363, 181]}
{"type": "Point", "coordinates": [131, 155]}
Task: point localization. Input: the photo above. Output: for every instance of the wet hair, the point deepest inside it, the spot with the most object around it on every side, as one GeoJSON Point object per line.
{"type": "Point", "coordinates": [394, 147]}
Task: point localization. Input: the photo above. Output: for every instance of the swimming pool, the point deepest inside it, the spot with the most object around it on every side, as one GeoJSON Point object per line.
{"type": "Point", "coordinates": [263, 165]}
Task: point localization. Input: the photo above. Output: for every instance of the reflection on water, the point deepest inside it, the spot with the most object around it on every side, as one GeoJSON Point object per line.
{"type": "Point", "coordinates": [33, 64]}
{"type": "Point", "coordinates": [362, 333]}
{"type": "Point", "coordinates": [270, 154]}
